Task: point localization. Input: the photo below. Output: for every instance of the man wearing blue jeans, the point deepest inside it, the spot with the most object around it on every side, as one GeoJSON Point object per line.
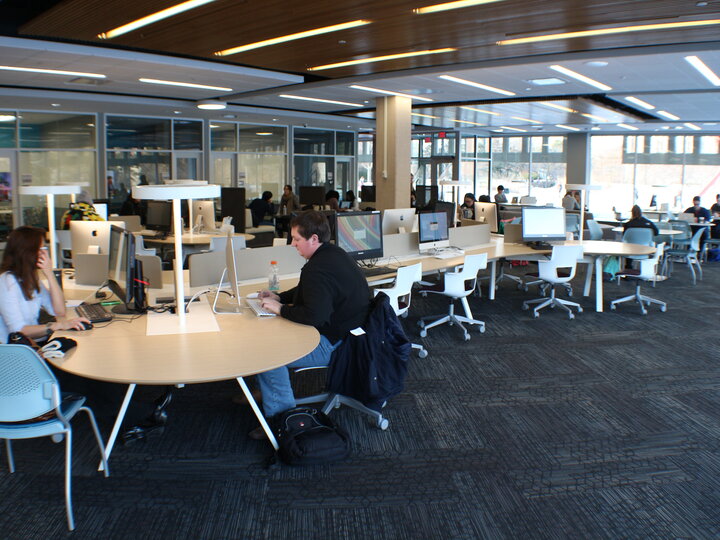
{"type": "Point", "coordinates": [332, 295]}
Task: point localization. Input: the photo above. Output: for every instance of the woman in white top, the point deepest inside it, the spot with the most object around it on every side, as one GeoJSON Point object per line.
{"type": "Point", "coordinates": [22, 294]}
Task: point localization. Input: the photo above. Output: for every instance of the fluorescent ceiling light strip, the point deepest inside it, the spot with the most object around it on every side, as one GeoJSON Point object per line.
{"type": "Point", "coordinates": [466, 122]}
{"type": "Point", "coordinates": [631, 128]}
{"type": "Point", "coordinates": [669, 116]}
{"type": "Point", "coordinates": [6, 117]}
{"type": "Point", "coordinates": [153, 18]}
{"type": "Point", "coordinates": [388, 92]}
{"type": "Point", "coordinates": [481, 111]}
{"type": "Point", "coordinates": [477, 85]}
{"type": "Point", "coordinates": [424, 115]}
{"type": "Point", "coordinates": [292, 37]}
{"type": "Point", "coordinates": [594, 117]}
{"type": "Point", "coordinates": [526, 119]}
{"type": "Point", "coordinates": [692, 126]}
{"type": "Point", "coordinates": [705, 71]}
{"type": "Point", "coordinates": [514, 129]}
{"type": "Point", "coordinates": [459, 4]}
{"type": "Point", "coordinates": [609, 31]}
{"type": "Point", "coordinates": [318, 100]}
{"type": "Point", "coordinates": [640, 102]}
{"type": "Point", "coordinates": [53, 72]}
{"type": "Point", "coordinates": [558, 107]}
{"type": "Point", "coordinates": [185, 85]}
{"type": "Point", "coordinates": [582, 78]}
{"type": "Point", "coordinates": [382, 58]}
{"type": "Point", "coordinates": [563, 126]}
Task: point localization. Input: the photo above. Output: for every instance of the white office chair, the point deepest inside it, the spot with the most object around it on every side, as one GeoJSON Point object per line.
{"type": "Point", "coordinates": [400, 295]}
{"type": "Point", "coordinates": [218, 243]}
{"type": "Point", "coordinates": [551, 271]}
{"type": "Point", "coordinates": [457, 286]}
{"type": "Point", "coordinates": [140, 248]}
{"type": "Point", "coordinates": [594, 230]}
{"type": "Point", "coordinates": [647, 271]}
{"type": "Point", "coordinates": [689, 255]}
{"type": "Point", "coordinates": [279, 242]}
{"type": "Point", "coordinates": [64, 241]}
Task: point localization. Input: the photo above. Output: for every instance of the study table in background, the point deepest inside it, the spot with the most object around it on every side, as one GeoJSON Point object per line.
{"type": "Point", "coordinates": [189, 239]}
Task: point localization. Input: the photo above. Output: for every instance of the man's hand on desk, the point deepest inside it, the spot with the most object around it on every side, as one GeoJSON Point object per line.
{"type": "Point", "coordinates": [268, 294]}
{"type": "Point", "coordinates": [271, 305]}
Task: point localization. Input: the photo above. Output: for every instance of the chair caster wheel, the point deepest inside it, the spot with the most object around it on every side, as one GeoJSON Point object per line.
{"type": "Point", "coordinates": [423, 333]}
{"type": "Point", "coordinates": [571, 316]}
{"type": "Point", "coordinates": [613, 307]}
{"type": "Point", "coordinates": [526, 307]}
{"type": "Point", "coordinates": [421, 324]}
{"type": "Point", "coordinates": [580, 309]}
{"type": "Point", "coordinates": [423, 353]}
{"type": "Point", "coordinates": [466, 337]}
{"type": "Point", "coordinates": [663, 309]}
{"type": "Point", "coordinates": [535, 314]}
{"type": "Point", "coordinates": [57, 437]}
{"type": "Point", "coordinates": [383, 423]}
{"type": "Point", "coordinates": [481, 329]}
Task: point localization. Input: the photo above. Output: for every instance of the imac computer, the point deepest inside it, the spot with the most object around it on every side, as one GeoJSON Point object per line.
{"type": "Point", "coordinates": [360, 234]}
{"type": "Point", "coordinates": [312, 195]}
{"type": "Point", "coordinates": [367, 194]}
{"type": "Point", "coordinates": [125, 275]}
{"type": "Point", "coordinates": [399, 220]}
{"type": "Point", "coordinates": [232, 203]}
{"type": "Point", "coordinates": [424, 195]}
{"type": "Point", "coordinates": [204, 215]}
{"type": "Point", "coordinates": [159, 217]}
{"type": "Point", "coordinates": [90, 236]}
{"type": "Point", "coordinates": [229, 276]}
{"type": "Point", "coordinates": [486, 212]}
{"type": "Point", "coordinates": [433, 232]}
{"type": "Point", "coordinates": [542, 224]}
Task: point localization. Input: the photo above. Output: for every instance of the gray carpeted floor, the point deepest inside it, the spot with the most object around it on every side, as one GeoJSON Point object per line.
{"type": "Point", "coordinates": [606, 426]}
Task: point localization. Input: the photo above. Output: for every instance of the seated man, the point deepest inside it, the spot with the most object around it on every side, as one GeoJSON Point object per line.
{"type": "Point", "coordinates": [332, 295]}
{"type": "Point", "coordinates": [259, 208]}
{"type": "Point", "coordinates": [698, 211]}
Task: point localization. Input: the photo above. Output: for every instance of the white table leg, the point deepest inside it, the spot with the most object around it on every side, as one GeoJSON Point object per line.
{"type": "Point", "coordinates": [258, 413]}
{"type": "Point", "coordinates": [118, 422]}
{"type": "Point", "coordinates": [588, 278]}
{"type": "Point", "coordinates": [179, 282]}
{"type": "Point", "coordinates": [599, 283]}
{"type": "Point", "coordinates": [493, 271]}
{"type": "Point", "coordinates": [50, 198]}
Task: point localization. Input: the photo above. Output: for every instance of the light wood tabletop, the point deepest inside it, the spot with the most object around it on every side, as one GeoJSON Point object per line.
{"type": "Point", "coordinates": [188, 239]}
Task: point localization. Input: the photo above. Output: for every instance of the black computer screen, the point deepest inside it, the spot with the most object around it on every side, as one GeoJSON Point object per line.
{"type": "Point", "coordinates": [367, 194]}
{"type": "Point", "coordinates": [159, 216]}
{"type": "Point", "coordinates": [312, 195]}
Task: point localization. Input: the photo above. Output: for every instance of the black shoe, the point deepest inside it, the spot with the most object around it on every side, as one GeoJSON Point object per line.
{"type": "Point", "coordinates": [258, 434]}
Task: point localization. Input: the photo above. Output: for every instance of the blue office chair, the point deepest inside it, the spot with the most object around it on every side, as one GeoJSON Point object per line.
{"type": "Point", "coordinates": [31, 406]}
{"type": "Point", "coordinates": [594, 230]}
{"type": "Point", "coordinates": [689, 255]}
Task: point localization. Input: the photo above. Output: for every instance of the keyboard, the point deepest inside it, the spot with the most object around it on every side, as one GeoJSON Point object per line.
{"type": "Point", "coordinates": [540, 246]}
{"type": "Point", "coordinates": [450, 254]}
{"type": "Point", "coordinates": [95, 313]}
{"type": "Point", "coordinates": [254, 304]}
{"type": "Point", "coordinates": [369, 271]}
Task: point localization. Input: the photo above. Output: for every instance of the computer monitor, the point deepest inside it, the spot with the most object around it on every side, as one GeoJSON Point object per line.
{"type": "Point", "coordinates": [232, 203]}
{"type": "Point", "coordinates": [424, 195]}
{"type": "Point", "coordinates": [360, 234]}
{"type": "Point", "coordinates": [448, 208]}
{"type": "Point", "coordinates": [101, 209]}
{"type": "Point", "coordinates": [312, 195]}
{"type": "Point", "coordinates": [433, 232]}
{"type": "Point", "coordinates": [367, 194]}
{"type": "Point", "coordinates": [396, 218]}
{"type": "Point", "coordinates": [653, 201]}
{"type": "Point", "coordinates": [543, 224]}
{"type": "Point", "coordinates": [486, 212]}
{"type": "Point", "coordinates": [159, 216]}
{"type": "Point", "coordinates": [204, 215]}
{"type": "Point", "coordinates": [84, 234]}
{"type": "Point", "coordinates": [125, 276]}
{"type": "Point", "coordinates": [346, 205]}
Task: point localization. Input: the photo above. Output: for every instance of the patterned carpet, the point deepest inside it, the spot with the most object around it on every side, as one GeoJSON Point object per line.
{"type": "Point", "coordinates": [607, 426]}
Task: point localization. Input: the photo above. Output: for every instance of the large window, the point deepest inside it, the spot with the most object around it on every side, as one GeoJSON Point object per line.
{"type": "Point", "coordinates": [262, 161]}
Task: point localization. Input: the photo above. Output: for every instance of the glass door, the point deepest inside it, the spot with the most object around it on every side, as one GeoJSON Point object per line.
{"type": "Point", "coordinates": [223, 170]}
{"type": "Point", "coordinates": [344, 176]}
{"type": "Point", "coordinates": [443, 176]}
{"type": "Point", "coordinates": [187, 166]}
{"type": "Point", "coordinates": [8, 191]}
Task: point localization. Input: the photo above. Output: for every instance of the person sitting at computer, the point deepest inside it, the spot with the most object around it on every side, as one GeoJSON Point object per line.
{"type": "Point", "coordinates": [570, 202]}
{"type": "Point", "coordinates": [700, 213]}
{"type": "Point", "coordinates": [500, 196]}
{"type": "Point", "coordinates": [332, 200]}
{"type": "Point", "coordinates": [289, 202]}
{"type": "Point", "coordinates": [638, 221]}
{"type": "Point", "coordinates": [134, 207]}
{"type": "Point", "coordinates": [332, 295]}
{"type": "Point", "coordinates": [350, 197]}
{"type": "Point", "coordinates": [259, 208]}
{"type": "Point", "coordinates": [467, 208]}
{"type": "Point", "coordinates": [715, 208]}
{"type": "Point", "coordinates": [22, 294]}
{"type": "Point", "coordinates": [81, 210]}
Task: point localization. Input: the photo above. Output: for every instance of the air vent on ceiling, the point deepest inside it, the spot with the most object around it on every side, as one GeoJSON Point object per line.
{"type": "Point", "coordinates": [87, 81]}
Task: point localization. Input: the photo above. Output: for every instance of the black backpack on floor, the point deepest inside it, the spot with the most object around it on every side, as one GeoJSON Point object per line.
{"type": "Point", "coordinates": [308, 436]}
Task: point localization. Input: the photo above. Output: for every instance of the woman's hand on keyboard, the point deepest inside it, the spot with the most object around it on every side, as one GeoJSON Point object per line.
{"type": "Point", "coordinates": [271, 305]}
{"type": "Point", "coordinates": [269, 295]}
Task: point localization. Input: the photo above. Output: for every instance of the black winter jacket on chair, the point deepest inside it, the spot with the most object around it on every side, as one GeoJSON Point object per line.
{"type": "Point", "coordinates": [371, 368]}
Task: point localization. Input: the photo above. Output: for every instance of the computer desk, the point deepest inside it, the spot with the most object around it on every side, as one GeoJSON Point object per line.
{"type": "Point", "coordinates": [123, 353]}
{"type": "Point", "coordinates": [188, 239]}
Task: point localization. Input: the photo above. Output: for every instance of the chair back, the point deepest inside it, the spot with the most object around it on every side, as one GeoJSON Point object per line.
{"type": "Point", "coordinates": [648, 267]}
{"type": "Point", "coordinates": [140, 248]}
{"type": "Point", "coordinates": [400, 294]}
{"type": "Point", "coordinates": [637, 235]}
{"type": "Point", "coordinates": [572, 223]}
{"type": "Point", "coordinates": [462, 283]}
{"type": "Point", "coordinates": [64, 238]}
{"type": "Point", "coordinates": [594, 230]}
{"type": "Point", "coordinates": [562, 257]}
{"type": "Point", "coordinates": [680, 225]}
{"type": "Point", "coordinates": [26, 385]}
{"type": "Point", "coordinates": [695, 240]}
{"type": "Point", "coordinates": [218, 243]}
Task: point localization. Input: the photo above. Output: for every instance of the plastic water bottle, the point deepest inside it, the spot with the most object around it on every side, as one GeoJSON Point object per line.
{"type": "Point", "coordinates": [274, 277]}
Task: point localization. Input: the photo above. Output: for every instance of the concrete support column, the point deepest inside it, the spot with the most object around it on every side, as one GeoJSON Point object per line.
{"type": "Point", "coordinates": [392, 152]}
{"type": "Point", "coordinates": [578, 158]}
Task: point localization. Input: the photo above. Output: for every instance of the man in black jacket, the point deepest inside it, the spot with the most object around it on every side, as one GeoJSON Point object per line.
{"type": "Point", "coordinates": [332, 295]}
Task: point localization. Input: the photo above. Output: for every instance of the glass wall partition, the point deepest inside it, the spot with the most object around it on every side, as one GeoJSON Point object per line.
{"type": "Point", "coordinates": [262, 160]}
{"type": "Point", "coordinates": [326, 158]}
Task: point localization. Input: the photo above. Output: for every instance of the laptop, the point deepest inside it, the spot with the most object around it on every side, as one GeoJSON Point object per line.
{"type": "Point", "coordinates": [687, 216]}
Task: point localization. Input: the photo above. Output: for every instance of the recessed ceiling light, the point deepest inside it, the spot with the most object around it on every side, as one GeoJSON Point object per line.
{"type": "Point", "coordinates": [177, 112]}
{"type": "Point", "coordinates": [596, 63]}
{"type": "Point", "coordinates": [54, 104]}
{"type": "Point", "coordinates": [514, 129]}
{"type": "Point", "coordinates": [692, 126]}
{"type": "Point", "coordinates": [526, 119]}
{"type": "Point", "coordinates": [185, 84]}
{"type": "Point", "coordinates": [548, 81]}
{"type": "Point", "coordinates": [467, 122]}
{"type": "Point", "coordinates": [211, 105]}
{"type": "Point", "coordinates": [563, 126]}
{"type": "Point", "coordinates": [477, 85]}
{"type": "Point", "coordinates": [626, 126]}
{"type": "Point", "coordinates": [53, 72]}
{"type": "Point", "coordinates": [705, 71]}
{"type": "Point", "coordinates": [558, 107]}
{"type": "Point", "coordinates": [293, 37]}
{"type": "Point", "coordinates": [214, 126]}
{"type": "Point", "coordinates": [155, 17]}
{"type": "Point", "coordinates": [381, 58]}
{"type": "Point", "coordinates": [263, 133]}
{"type": "Point", "coordinates": [595, 128]}
{"type": "Point", "coordinates": [609, 31]}
{"type": "Point", "coordinates": [709, 123]}
{"type": "Point", "coordinates": [481, 111]}
{"type": "Point", "coordinates": [6, 117]}
{"type": "Point", "coordinates": [665, 127]}
{"type": "Point", "coordinates": [640, 102]}
{"type": "Point", "coordinates": [424, 115]}
{"type": "Point", "coordinates": [451, 5]}
{"type": "Point", "coordinates": [594, 117]}
{"type": "Point", "coordinates": [318, 100]}
{"type": "Point", "coordinates": [669, 116]}
{"type": "Point", "coordinates": [582, 78]}
{"type": "Point", "coordinates": [388, 92]}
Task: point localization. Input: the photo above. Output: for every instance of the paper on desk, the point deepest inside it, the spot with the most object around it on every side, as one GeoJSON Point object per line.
{"type": "Point", "coordinates": [200, 318]}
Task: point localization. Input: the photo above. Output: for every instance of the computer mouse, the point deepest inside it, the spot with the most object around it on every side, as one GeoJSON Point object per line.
{"type": "Point", "coordinates": [85, 326]}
